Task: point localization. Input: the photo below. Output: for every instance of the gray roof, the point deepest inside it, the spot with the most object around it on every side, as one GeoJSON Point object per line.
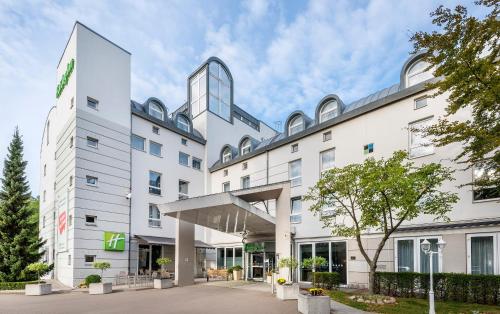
{"type": "Point", "coordinates": [373, 97]}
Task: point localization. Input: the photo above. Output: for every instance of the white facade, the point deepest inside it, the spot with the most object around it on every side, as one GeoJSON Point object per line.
{"type": "Point", "coordinates": [188, 159]}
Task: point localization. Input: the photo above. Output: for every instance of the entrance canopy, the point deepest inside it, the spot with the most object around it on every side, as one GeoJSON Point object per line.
{"type": "Point", "coordinates": [169, 241]}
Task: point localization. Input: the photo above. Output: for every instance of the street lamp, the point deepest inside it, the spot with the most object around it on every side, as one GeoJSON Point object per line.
{"type": "Point", "coordinates": [426, 248]}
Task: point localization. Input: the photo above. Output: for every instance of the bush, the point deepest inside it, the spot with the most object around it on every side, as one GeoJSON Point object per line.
{"type": "Point", "coordinates": [326, 280]}
{"type": "Point", "coordinates": [237, 268]}
{"type": "Point", "coordinates": [483, 289]}
{"type": "Point", "coordinates": [15, 285]}
{"type": "Point", "coordinates": [92, 279]}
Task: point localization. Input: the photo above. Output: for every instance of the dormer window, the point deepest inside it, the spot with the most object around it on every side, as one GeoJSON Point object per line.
{"type": "Point", "coordinates": [156, 111]}
{"type": "Point", "coordinates": [183, 123]}
{"type": "Point", "coordinates": [226, 155]}
{"type": "Point", "coordinates": [417, 73]}
{"type": "Point", "coordinates": [245, 147]}
{"type": "Point", "coordinates": [296, 125]}
{"type": "Point", "coordinates": [328, 111]}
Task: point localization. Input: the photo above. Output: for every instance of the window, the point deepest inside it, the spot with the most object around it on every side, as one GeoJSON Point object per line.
{"type": "Point", "coordinates": [89, 259]}
{"type": "Point", "coordinates": [368, 149]}
{"type": "Point", "coordinates": [296, 125]}
{"type": "Point", "coordinates": [482, 256]}
{"type": "Point", "coordinates": [184, 141]}
{"type": "Point", "coordinates": [219, 88]}
{"type": "Point", "coordinates": [183, 190]}
{"type": "Point", "coordinates": [198, 92]}
{"type": "Point", "coordinates": [43, 222]}
{"type": "Point", "coordinates": [420, 102]}
{"type": "Point", "coordinates": [226, 154]}
{"type": "Point", "coordinates": [92, 103]}
{"type": "Point", "coordinates": [47, 133]}
{"type": "Point", "coordinates": [44, 195]}
{"type": "Point", "coordinates": [44, 170]}
{"type": "Point", "coordinates": [327, 159]}
{"type": "Point", "coordinates": [92, 142]}
{"type": "Point", "coordinates": [156, 110]}
{"type": "Point", "coordinates": [70, 180]}
{"type": "Point", "coordinates": [417, 74]}
{"type": "Point", "coordinates": [244, 166]}
{"type": "Point", "coordinates": [183, 159]}
{"type": "Point", "coordinates": [327, 136]}
{"type": "Point", "coordinates": [156, 130]}
{"type": "Point", "coordinates": [409, 257]}
{"type": "Point", "coordinates": [70, 220]}
{"type": "Point", "coordinates": [154, 183]}
{"type": "Point", "coordinates": [419, 145]}
{"type": "Point", "coordinates": [294, 148]}
{"type": "Point", "coordinates": [196, 163]}
{"type": "Point", "coordinates": [296, 209]}
{"type": "Point", "coordinates": [72, 103]}
{"type": "Point", "coordinates": [226, 187]}
{"type": "Point", "coordinates": [69, 259]}
{"type": "Point", "coordinates": [328, 111]}
{"type": "Point", "coordinates": [154, 220]}
{"type": "Point", "coordinates": [138, 142]}
{"type": "Point", "coordinates": [295, 173]}
{"type": "Point", "coordinates": [245, 147]}
{"type": "Point", "coordinates": [480, 191]}
{"type": "Point", "coordinates": [225, 173]}
{"type": "Point", "coordinates": [155, 148]}
{"type": "Point", "coordinates": [71, 142]}
{"type": "Point", "coordinates": [245, 182]}
{"type": "Point", "coordinates": [55, 186]}
{"type": "Point", "coordinates": [183, 123]}
{"type": "Point", "coordinates": [92, 180]}
{"type": "Point", "coordinates": [90, 220]}
{"type": "Point", "coordinates": [405, 256]}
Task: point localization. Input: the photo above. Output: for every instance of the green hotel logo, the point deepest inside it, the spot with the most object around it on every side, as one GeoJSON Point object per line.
{"type": "Point", "coordinates": [64, 80]}
{"type": "Point", "coordinates": [256, 247]}
{"type": "Point", "coordinates": [114, 241]}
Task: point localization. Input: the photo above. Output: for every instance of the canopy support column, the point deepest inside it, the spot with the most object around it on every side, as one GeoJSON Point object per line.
{"type": "Point", "coordinates": [184, 252]}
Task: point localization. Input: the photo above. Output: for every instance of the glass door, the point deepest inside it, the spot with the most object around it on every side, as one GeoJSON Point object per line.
{"type": "Point", "coordinates": [339, 260]}
{"type": "Point", "coordinates": [257, 261]}
{"type": "Point", "coordinates": [305, 251]}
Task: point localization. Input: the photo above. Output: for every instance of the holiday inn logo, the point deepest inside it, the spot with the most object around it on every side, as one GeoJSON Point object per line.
{"type": "Point", "coordinates": [65, 78]}
{"type": "Point", "coordinates": [114, 241]}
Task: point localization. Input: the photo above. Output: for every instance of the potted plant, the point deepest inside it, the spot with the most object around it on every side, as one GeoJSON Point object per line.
{"type": "Point", "coordinates": [313, 263]}
{"type": "Point", "coordinates": [101, 287]}
{"type": "Point", "coordinates": [287, 290]}
{"type": "Point", "coordinates": [237, 272]}
{"type": "Point", "coordinates": [164, 281]}
{"type": "Point", "coordinates": [39, 288]}
{"type": "Point", "coordinates": [313, 302]}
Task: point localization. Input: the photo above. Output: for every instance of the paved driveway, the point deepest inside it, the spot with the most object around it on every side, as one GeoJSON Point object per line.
{"type": "Point", "coordinates": [193, 299]}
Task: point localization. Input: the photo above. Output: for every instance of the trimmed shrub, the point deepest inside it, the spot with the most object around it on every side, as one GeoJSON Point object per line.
{"type": "Point", "coordinates": [483, 289]}
{"type": "Point", "coordinates": [92, 279]}
{"type": "Point", "coordinates": [326, 280]}
{"type": "Point", "coordinates": [5, 285]}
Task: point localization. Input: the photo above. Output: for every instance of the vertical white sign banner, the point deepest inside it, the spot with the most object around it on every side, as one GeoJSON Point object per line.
{"type": "Point", "coordinates": [61, 224]}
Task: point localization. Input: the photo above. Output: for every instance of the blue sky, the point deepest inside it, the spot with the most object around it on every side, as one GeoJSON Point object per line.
{"type": "Point", "coordinates": [283, 55]}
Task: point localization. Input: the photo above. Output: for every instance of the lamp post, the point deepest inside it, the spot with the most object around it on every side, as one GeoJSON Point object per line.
{"type": "Point", "coordinates": [426, 248]}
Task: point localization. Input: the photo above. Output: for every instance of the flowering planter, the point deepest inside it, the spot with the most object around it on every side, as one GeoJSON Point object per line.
{"type": "Point", "coordinates": [163, 283]}
{"type": "Point", "coordinates": [308, 304]}
{"type": "Point", "coordinates": [38, 289]}
{"type": "Point", "coordinates": [287, 291]}
{"type": "Point", "coordinates": [100, 288]}
{"type": "Point", "coordinates": [237, 274]}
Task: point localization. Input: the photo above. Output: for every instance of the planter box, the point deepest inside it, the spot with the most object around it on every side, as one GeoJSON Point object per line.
{"type": "Point", "coordinates": [38, 289]}
{"type": "Point", "coordinates": [308, 304]}
{"type": "Point", "coordinates": [269, 279]}
{"type": "Point", "coordinates": [287, 292]}
{"type": "Point", "coordinates": [237, 274]}
{"type": "Point", "coordinates": [100, 288]}
{"type": "Point", "coordinates": [163, 283]}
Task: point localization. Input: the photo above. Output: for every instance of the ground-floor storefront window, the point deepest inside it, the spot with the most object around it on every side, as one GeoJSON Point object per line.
{"type": "Point", "coordinates": [335, 254]}
{"type": "Point", "coordinates": [408, 256]}
{"type": "Point", "coordinates": [483, 253]}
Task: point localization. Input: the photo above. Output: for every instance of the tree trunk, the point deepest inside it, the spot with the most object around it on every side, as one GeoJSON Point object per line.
{"type": "Point", "coordinates": [371, 278]}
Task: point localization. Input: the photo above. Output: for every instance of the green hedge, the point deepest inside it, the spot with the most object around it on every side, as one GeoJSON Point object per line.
{"type": "Point", "coordinates": [326, 280]}
{"type": "Point", "coordinates": [5, 285]}
{"type": "Point", "coordinates": [92, 279]}
{"type": "Point", "coordinates": [483, 289]}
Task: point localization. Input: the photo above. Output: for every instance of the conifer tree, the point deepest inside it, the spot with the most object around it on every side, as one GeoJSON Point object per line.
{"type": "Point", "coordinates": [19, 241]}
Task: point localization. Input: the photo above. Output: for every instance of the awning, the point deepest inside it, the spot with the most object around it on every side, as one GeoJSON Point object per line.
{"type": "Point", "coordinates": [169, 241]}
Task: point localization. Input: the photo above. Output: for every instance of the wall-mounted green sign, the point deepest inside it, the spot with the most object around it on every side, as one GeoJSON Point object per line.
{"type": "Point", "coordinates": [256, 247]}
{"type": "Point", "coordinates": [65, 78]}
{"type": "Point", "coordinates": [114, 241]}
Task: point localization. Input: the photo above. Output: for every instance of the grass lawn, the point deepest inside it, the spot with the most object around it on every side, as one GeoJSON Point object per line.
{"type": "Point", "coordinates": [410, 306]}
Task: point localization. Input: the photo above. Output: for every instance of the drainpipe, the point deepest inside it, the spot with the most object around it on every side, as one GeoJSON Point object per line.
{"type": "Point", "coordinates": [130, 198]}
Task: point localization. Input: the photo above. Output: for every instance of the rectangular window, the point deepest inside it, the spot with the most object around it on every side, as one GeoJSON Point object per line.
{"type": "Point", "coordinates": [419, 145]}
{"type": "Point", "coordinates": [481, 190]}
{"type": "Point", "coordinates": [296, 209]}
{"type": "Point", "coordinates": [245, 182]}
{"type": "Point", "coordinates": [225, 172]}
{"type": "Point", "coordinates": [71, 141]}
{"type": "Point", "coordinates": [196, 163]}
{"type": "Point", "coordinates": [294, 148]}
{"type": "Point", "coordinates": [89, 259]}
{"type": "Point", "coordinates": [420, 102]}
{"type": "Point", "coordinates": [92, 180]}
{"type": "Point", "coordinates": [226, 187]}
{"type": "Point", "coordinates": [327, 136]}
{"type": "Point", "coordinates": [90, 220]}
{"type": "Point", "coordinates": [156, 130]}
{"type": "Point", "coordinates": [72, 103]}
{"type": "Point", "coordinates": [482, 253]}
{"type": "Point", "coordinates": [327, 159]}
{"type": "Point", "coordinates": [69, 259]}
{"type": "Point", "coordinates": [154, 220]}
{"type": "Point", "coordinates": [405, 255]}
{"type": "Point", "coordinates": [44, 195]}
{"type": "Point", "coordinates": [409, 257]}
{"type": "Point", "coordinates": [183, 159]}
{"type": "Point", "coordinates": [184, 141]}
{"type": "Point", "coordinates": [138, 142]}
{"type": "Point", "coordinates": [44, 170]}
{"type": "Point", "coordinates": [154, 183]}
{"type": "Point", "coordinates": [244, 166]}
{"type": "Point", "coordinates": [368, 149]}
{"type": "Point", "coordinates": [43, 222]}
{"type": "Point", "coordinates": [92, 103]}
{"type": "Point", "coordinates": [295, 173]}
{"type": "Point", "coordinates": [155, 148]}
{"type": "Point", "coordinates": [92, 142]}
{"type": "Point", "coordinates": [183, 190]}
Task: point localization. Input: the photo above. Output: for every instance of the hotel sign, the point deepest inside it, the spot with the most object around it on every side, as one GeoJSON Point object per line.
{"type": "Point", "coordinates": [114, 241]}
{"type": "Point", "coordinates": [65, 78]}
{"type": "Point", "coordinates": [256, 247]}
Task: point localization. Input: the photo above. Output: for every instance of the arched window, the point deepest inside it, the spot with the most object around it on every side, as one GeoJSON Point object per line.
{"type": "Point", "coordinates": [296, 125]}
{"type": "Point", "coordinates": [219, 88]}
{"type": "Point", "coordinates": [328, 111]}
{"type": "Point", "coordinates": [416, 73]}
{"type": "Point", "coordinates": [156, 110]}
{"type": "Point", "coordinates": [245, 147]}
{"type": "Point", "coordinates": [47, 133]}
{"type": "Point", "coordinates": [227, 155]}
{"type": "Point", "coordinates": [183, 123]}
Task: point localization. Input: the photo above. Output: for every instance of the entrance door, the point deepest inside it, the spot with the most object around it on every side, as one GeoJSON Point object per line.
{"type": "Point", "coordinates": [257, 264]}
{"type": "Point", "coordinates": [305, 251]}
{"type": "Point", "coordinates": [339, 260]}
